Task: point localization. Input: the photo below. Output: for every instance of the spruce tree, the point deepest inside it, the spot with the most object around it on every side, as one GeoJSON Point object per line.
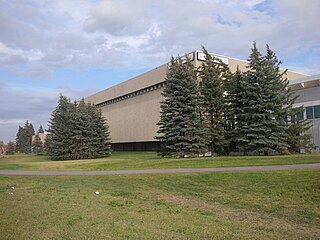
{"type": "Point", "coordinates": [11, 148]}
{"type": "Point", "coordinates": [100, 141]}
{"type": "Point", "coordinates": [234, 108]}
{"type": "Point", "coordinates": [60, 130]}
{"type": "Point", "coordinates": [19, 139]}
{"type": "Point", "coordinates": [24, 138]}
{"type": "Point", "coordinates": [80, 131]}
{"type": "Point", "coordinates": [180, 127]}
{"type": "Point", "coordinates": [46, 144]}
{"type": "Point", "coordinates": [40, 129]}
{"type": "Point", "coordinates": [248, 119]}
{"type": "Point", "coordinates": [299, 137]}
{"type": "Point", "coordinates": [262, 121]}
{"type": "Point", "coordinates": [77, 131]}
{"type": "Point", "coordinates": [213, 73]}
{"type": "Point", "coordinates": [37, 145]}
{"type": "Point", "coordinates": [29, 133]}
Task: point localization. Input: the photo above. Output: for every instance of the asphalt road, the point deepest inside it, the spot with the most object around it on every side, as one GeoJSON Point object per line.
{"type": "Point", "coordinates": [157, 171]}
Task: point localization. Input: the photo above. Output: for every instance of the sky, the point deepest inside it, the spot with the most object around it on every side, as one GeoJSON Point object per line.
{"type": "Point", "coordinates": [79, 47]}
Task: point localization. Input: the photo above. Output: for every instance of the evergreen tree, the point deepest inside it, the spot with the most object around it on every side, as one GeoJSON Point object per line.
{"type": "Point", "coordinates": [29, 133]}
{"type": "Point", "coordinates": [46, 144]}
{"type": "Point", "coordinates": [299, 139]}
{"type": "Point", "coordinates": [213, 73]}
{"type": "Point", "coordinates": [261, 123]}
{"type": "Point", "coordinates": [37, 145]}
{"type": "Point", "coordinates": [100, 135]}
{"type": "Point", "coordinates": [60, 130]}
{"type": "Point", "coordinates": [19, 139]}
{"type": "Point", "coordinates": [80, 131]}
{"type": "Point", "coordinates": [24, 138]}
{"type": "Point", "coordinates": [234, 108]}
{"type": "Point", "coordinates": [40, 129]}
{"type": "Point", "coordinates": [180, 127]}
{"type": "Point", "coordinates": [249, 127]}
{"type": "Point", "coordinates": [11, 148]}
{"type": "Point", "coordinates": [77, 131]}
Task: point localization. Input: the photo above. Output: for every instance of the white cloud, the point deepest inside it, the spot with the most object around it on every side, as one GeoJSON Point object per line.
{"type": "Point", "coordinates": [11, 121]}
{"type": "Point", "coordinates": [117, 18]}
{"type": "Point", "coordinates": [9, 51]}
{"type": "Point", "coordinates": [102, 34]}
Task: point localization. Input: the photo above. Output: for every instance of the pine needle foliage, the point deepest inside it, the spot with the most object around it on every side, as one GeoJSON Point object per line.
{"type": "Point", "coordinates": [77, 131]}
{"type": "Point", "coordinates": [213, 73]}
{"type": "Point", "coordinates": [37, 145]}
{"type": "Point", "coordinates": [299, 137]}
{"type": "Point", "coordinates": [181, 132]}
{"type": "Point", "coordinates": [24, 138]}
{"type": "Point", "coordinates": [11, 148]}
{"type": "Point", "coordinates": [40, 129]}
{"type": "Point", "coordinates": [265, 103]}
{"type": "Point", "coordinates": [234, 108]}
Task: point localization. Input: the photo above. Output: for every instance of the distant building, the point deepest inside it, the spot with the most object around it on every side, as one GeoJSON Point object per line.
{"type": "Point", "coordinates": [4, 150]}
{"type": "Point", "coordinates": [132, 108]}
{"type": "Point", "coordinates": [42, 136]}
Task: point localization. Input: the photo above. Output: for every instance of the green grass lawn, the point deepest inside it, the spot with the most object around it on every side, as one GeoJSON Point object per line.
{"type": "Point", "coordinates": [149, 160]}
{"type": "Point", "coordinates": [253, 205]}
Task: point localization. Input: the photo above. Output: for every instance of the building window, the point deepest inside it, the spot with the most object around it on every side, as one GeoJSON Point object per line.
{"type": "Point", "coordinates": [313, 112]}
{"type": "Point", "coordinates": [300, 116]}
{"type": "Point", "coordinates": [309, 111]}
{"type": "Point", "coordinates": [316, 110]}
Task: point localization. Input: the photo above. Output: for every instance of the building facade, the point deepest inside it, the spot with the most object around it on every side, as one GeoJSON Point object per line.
{"type": "Point", "coordinates": [132, 108]}
{"type": "Point", "coordinates": [308, 91]}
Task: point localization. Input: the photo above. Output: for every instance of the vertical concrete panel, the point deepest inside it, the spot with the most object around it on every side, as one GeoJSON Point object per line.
{"type": "Point", "coordinates": [134, 119]}
{"type": "Point", "coordinates": [316, 132]}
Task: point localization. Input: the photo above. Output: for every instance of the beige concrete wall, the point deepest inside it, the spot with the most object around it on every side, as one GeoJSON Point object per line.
{"type": "Point", "coordinates": [234, 63]}
{"type": "Point", "coordinates": [147, 79]}
{"type": "Point", "coordinates": [42, 137]}
{"type": "Point", "coordinates": [135, 119]}
{"type": "Point", "coordinates": [294, 75]}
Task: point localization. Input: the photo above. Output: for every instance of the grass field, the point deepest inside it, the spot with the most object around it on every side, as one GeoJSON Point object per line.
{"type": "Point", "coordinates": [136, 160]}
{"type": "Point", "coordinates": [255, 205]}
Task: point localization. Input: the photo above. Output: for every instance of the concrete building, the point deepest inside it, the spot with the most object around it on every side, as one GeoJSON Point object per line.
{"type": "Point", "coordinates": [308, 91]}
{"type": "Point", "coordinates": [42, 136]}
{"type": "Point", "coordinates": [132, 108]}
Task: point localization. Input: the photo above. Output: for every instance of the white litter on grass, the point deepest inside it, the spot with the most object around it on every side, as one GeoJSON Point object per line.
{"type": "Point", "coordinates": [11, 193]}
{"type": "Point", "coordinates": [97, 193]}
{"type": "Point", "coordinates": [12, 187]}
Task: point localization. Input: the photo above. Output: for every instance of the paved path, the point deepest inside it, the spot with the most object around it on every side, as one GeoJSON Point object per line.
{"type": "Point", "coordinates": [155, 171]}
